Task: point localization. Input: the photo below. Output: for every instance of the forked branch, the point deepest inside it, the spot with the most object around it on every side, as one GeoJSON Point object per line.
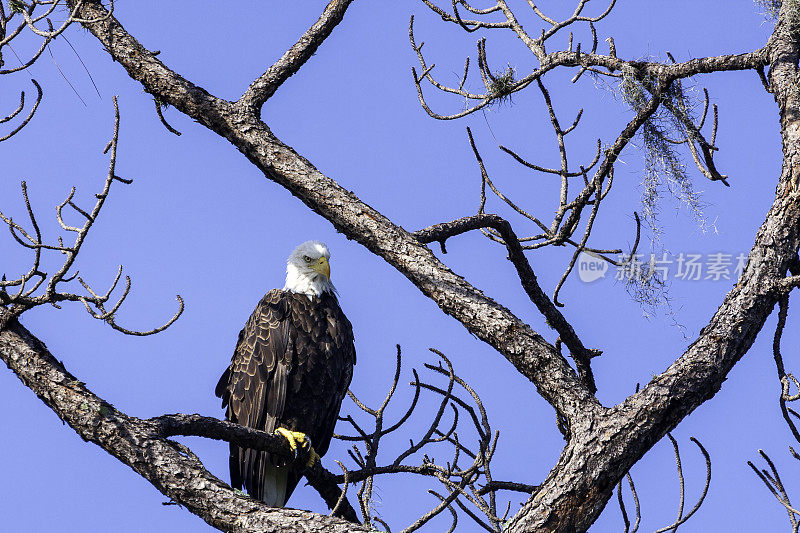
{"type": "Point", "coordinates": [441, 232]}
{"type": "Point", "coordinates": [27, 293]}
{"type": "Point", "coordinates": [460, 484]}
{"type": "Point", "coordinates": [27, 16]}
{"type": "Point", "coordinates": [682, 518]}
{"type": "Point", "coordinates": [19, 109]}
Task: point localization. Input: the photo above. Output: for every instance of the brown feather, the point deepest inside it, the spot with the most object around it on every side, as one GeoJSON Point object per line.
{"type": "Point", "coordinates": [291, 368]}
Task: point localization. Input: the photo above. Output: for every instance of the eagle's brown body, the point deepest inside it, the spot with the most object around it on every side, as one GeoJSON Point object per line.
{"type": "Point", "coordinates": [291, 368]}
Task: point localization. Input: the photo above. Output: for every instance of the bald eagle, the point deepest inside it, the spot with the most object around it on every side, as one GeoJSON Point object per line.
{"type": "Point", "coordinates": [289, 373]}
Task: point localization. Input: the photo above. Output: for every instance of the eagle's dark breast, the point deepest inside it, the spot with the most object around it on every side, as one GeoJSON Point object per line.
{"type": "Point", "coordinates": [291, 368]}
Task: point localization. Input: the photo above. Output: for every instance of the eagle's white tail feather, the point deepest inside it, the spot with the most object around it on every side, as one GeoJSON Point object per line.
{"type": "Point", "coordinates": [275, 478]}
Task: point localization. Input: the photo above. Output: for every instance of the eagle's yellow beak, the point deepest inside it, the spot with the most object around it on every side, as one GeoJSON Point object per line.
{"type": "Point", "coordinates": [323, 267]}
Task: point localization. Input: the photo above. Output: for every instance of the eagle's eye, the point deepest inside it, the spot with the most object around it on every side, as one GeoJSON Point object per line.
{"type": "Point", "coordinates": [306, 259]}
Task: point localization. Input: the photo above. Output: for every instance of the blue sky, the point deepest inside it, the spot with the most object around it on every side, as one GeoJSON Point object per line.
{"type": "Point", "coordinates": [199, 220]}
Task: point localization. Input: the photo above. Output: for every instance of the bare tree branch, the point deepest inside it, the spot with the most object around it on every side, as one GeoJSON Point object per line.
{"type": "Point", "coordinates": [461, 483]}
{"type": "Point", "coordinates": [773, 482]}
{"type": "Point", "coordinates": [294, 58]}
{"type": "Point", "coordinates": [178, 475]}
{"type": "Point", "coordinates": [19, 109]}
{"type": "Point", "coordinates": [441, 232]}
{"type": "Point", "coordinates": [681, 518]}
{"type": "Point", "coordinates": [635, 503]}
{"type": "Point", "coordinates": [95, 303]}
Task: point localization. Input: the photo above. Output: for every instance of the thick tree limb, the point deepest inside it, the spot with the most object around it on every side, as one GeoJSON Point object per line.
{"type": "Point", "coordinates": [203, 426]}
{"type": "Point", "coordinates": [141, 444]}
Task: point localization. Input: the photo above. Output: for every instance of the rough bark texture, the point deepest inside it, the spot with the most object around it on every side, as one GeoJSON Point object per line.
{"type": "Point", "coordinates": [140, 444]}
{"type": "Point", "coordinates": [578, 487]}
{"type": "Point", "coordinates": [604, 442]}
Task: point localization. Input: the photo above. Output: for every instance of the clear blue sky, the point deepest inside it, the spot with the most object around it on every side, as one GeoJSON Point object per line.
{"type": "Point", "coordinates": [199, 220]}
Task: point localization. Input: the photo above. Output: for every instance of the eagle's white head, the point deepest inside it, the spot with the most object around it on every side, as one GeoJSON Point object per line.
{"type": "Point", "coordinates": [308, 271]}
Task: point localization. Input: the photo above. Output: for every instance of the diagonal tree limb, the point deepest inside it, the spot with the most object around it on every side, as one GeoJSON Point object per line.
{"type": "Point", "coordinates": [138, 443]}
{"type": "Point", "coordinates": [295, 57]}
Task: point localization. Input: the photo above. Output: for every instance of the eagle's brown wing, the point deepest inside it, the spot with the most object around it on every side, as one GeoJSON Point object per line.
{"type": "Point", "coordinates": [254, 386]}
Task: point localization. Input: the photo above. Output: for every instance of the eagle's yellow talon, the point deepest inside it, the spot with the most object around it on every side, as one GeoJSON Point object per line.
{"type": "Point", "coordinates": [289, 436]}
{"type": "Point", "coordinates": [297, 439]}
